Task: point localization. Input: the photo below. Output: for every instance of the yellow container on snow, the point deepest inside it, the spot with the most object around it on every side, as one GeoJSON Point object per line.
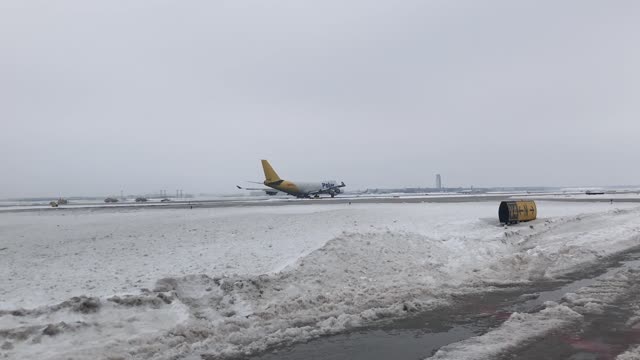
{"type": "Point", "coordinates": [513, 212]}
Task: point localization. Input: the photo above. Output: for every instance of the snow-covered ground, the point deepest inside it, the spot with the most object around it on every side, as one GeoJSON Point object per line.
{"type": "Point", "coordinates": [583, 196]}
{"type": "Point", "coordinates": [160, 283]}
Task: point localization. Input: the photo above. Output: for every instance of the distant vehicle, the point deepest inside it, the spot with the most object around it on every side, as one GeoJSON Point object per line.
{"type": "Point", "coordinates": [141, 199]}
{"type": "Point", "coordinates": [62, 201]}
{"type": "Point", "coordinates": [53, 204]}
{"type": "Point", "coordinates": [594, 192]}
{"type": "Point", "coordinates": [165, 200]}
{"type": "Point", "coordinates": [297, 189]}
{"type": "Point", "coordinates": [111, 200]}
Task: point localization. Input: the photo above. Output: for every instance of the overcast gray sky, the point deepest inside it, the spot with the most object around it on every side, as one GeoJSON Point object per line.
{"type": "Point", "coordinates": [99, 96]}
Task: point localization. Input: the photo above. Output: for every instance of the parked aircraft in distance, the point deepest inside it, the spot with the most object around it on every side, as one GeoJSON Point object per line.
{"type": "Point", "coordinates": [298, 189]}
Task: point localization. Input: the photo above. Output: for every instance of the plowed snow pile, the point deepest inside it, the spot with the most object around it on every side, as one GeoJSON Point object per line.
{"type": "Point", "coordinates": [213, 282]}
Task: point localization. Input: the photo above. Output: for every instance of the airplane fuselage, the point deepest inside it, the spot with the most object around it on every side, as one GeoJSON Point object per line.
{"type": "Point", "coordinates": [304, 189]}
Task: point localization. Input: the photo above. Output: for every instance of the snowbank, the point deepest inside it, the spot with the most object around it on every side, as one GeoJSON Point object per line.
{"type": "Point", "coordinates": [631, 354]}
{"type": "Point", "coordinates": [523, 329]}
{"type": "Point", "coordinates": [519, 330]}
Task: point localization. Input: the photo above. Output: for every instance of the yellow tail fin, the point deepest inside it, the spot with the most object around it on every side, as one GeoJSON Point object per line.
{"type": "Point", "coordinates": [270, 175]}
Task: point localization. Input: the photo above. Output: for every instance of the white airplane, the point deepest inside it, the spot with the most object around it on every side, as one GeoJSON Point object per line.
{"type": "Point", "coordinates": [298, 189]}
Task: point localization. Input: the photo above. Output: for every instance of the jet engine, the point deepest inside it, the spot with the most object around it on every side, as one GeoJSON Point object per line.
{"type": "Point", "coordinates": [334, 192]}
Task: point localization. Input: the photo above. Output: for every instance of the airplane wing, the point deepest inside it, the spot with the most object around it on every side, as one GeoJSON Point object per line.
{"type": "Point", "coordinates": [263, 189]}
{"type": "Point", "coordinates": [268, 191]}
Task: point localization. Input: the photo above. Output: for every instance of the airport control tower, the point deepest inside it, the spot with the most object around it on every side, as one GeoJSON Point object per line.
{"type": "Point", "coordinates": [438, 182]}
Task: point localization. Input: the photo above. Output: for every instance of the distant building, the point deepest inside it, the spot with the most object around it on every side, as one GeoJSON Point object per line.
{"type": "Point", "coordinates": [438, 182]}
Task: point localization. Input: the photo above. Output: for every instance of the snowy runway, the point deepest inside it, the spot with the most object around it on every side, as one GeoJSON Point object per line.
{"type": "Point", "coordinates": [228, 281]}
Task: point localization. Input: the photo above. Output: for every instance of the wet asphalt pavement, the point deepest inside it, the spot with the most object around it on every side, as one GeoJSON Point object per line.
{"type": "Point", "coordinates": [598, 337]}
